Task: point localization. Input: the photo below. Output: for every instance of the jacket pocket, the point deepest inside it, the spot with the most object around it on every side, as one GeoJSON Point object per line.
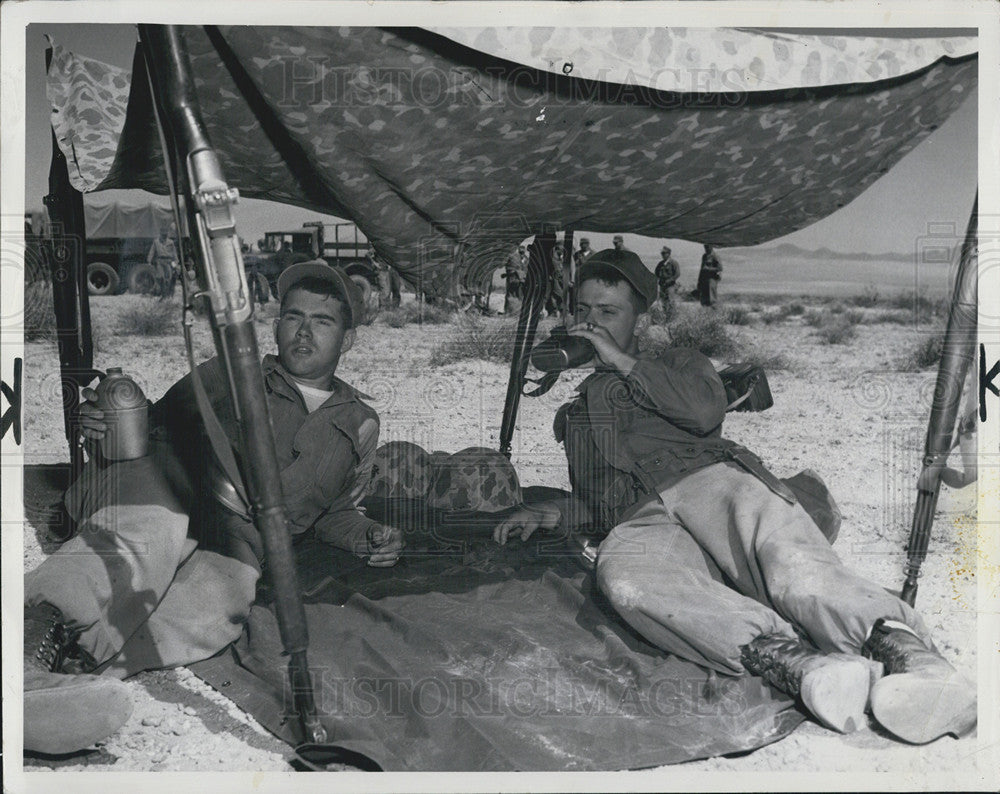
{"type": "Point", "coordinates": [676, 459]}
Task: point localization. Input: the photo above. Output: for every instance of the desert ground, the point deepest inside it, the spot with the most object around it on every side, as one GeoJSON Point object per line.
{"type": "Point", "coordinates": [852, 405]}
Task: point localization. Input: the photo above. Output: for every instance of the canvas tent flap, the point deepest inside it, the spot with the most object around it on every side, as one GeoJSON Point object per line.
{"type": "Point", "coordinates": [126, 219]}
{"type": "Point", "coordinates": [715, 60]}
{"type": "Point", "coordinates": [432, 146]}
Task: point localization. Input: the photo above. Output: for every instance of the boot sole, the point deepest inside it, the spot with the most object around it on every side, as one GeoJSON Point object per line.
{"type": "Point", "coordinates": [65, 714]}
{"type": "Point", "coordinates": [919, 709]}
{"type": "Point", "coordinates": [836, 694]}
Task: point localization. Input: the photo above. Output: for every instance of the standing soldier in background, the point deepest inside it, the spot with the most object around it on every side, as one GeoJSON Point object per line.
{"type": "Point", "coordinates": [708, 277]}
{"type": "Point", "coordinates": [260, 290]}
{"type": "Point", "coordinates": [514, 272]}
{"type": "Point", "coordinates": [568, 276]}
{"type": "Point", "coordinates": [388, 279]}
{"type": "Point", "coordinates": [618, 242]}
{"type": "Point", "coordinates": [554, 303]}
{"type": "Point", "coordinates": [163, 257]}
{"type": "Point", "coordinates": [584, 253]}
{"type": "Point", "coordinates": [667, 273]}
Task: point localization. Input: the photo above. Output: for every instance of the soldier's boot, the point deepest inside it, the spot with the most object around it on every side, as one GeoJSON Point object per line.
{"type": "Point", "coordinates": [833, 687]}
{"type": "Point", "coordinates": [64, 713]}
{"type": "Point", "coordinates": [922, 696]}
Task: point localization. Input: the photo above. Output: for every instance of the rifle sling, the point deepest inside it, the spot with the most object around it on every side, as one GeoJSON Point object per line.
{"type": "Point", "coordinates": [216, 435]}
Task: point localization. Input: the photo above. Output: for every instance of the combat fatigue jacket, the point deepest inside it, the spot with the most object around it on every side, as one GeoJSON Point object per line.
{"type": "Point", "coordinates": [325, 456]}
{"type": "Point", "coordinates": [630, 437]}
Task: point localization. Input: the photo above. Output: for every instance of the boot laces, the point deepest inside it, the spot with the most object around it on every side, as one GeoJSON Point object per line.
{"type": "Point", "coordinates": [52, 649]}
{"type": "Point", "coordinates": [881, 647]}
{"type": "Point", "coordinates": [764, 657]}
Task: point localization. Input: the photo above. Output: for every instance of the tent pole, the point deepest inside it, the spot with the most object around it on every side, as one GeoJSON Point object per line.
{"type": "Point", "coordinates": [536, 287]}
{"type": "Point", "coordinates": [65, 248]}
{"type": "Point", "coordinates": [957, 354]}
{"type": "Point", "coordinates": [227, 300]}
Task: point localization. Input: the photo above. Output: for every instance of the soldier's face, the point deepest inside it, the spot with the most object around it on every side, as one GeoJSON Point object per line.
{"type": "Point", "coordinates": [611, 307]}
{"type": "Point", "coordinates": [311, 336]}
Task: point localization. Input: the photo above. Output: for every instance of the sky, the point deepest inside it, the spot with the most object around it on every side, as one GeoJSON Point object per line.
{"type": "Point", "coordinates": [933, 184]}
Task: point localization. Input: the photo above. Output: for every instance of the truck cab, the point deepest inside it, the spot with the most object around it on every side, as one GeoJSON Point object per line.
{"type": "Point", "coordinates": [340, 244]}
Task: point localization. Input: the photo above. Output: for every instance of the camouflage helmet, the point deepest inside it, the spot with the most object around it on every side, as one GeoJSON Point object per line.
{"type": "Point", "coordinates": [402, 470]}
{"type": "Point", "coordinates": [475, 478]}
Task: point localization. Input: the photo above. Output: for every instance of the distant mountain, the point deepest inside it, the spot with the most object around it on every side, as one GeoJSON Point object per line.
{"type": "Point", "coordinates": [791, 251]}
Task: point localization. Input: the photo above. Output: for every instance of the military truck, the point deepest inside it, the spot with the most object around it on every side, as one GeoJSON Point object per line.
{"type": "Point", "coordinates": [119, 236]}
{"type": "Point", "coordinates": [341, 244]}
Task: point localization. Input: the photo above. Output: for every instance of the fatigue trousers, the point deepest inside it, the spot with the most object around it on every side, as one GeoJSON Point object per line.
{"type": "Point", "coordinates": [145, 585]}
{"type": "Point", "coordinates": [720, 559]}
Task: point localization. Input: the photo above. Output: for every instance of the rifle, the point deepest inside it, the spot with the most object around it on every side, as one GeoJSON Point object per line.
{"type": "Point", "coordinates": [193, 168]}
{"type": "Point", "coordinates": [536, 292]}
{"type": "Point", "coordinates": [957, 354]}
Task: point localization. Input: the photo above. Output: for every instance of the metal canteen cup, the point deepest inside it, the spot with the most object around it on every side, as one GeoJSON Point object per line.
{"type": "Point", "coordinates": [561, 351]}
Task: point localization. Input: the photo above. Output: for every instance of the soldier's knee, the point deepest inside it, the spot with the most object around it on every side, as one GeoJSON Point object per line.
{"type": "Point", "coordinates": [619, 585]}
{"type": "Point", "coordinates": [615, 577]}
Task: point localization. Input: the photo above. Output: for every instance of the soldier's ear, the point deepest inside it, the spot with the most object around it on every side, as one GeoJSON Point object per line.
{"type": "Point", "coordinates": [349, 336]}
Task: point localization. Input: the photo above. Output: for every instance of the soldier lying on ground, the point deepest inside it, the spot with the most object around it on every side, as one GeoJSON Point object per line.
{"type": "Point", "coordinates": [165, 566]}
{"type": "Point", "coordinates": [711, 557]}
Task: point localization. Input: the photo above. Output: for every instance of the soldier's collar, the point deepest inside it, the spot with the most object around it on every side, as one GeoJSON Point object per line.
{"type": "Point", "coordinates": [342, 391]}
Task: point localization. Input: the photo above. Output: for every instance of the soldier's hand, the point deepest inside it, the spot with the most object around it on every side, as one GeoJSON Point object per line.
{"type": "Point", "coordinates": [525, 520]}
{"type": "Point", "coordinates": [384, 546]}
{"type": "Point", "coordinates": [609, 352]}
{"type": "Point", "coordinates": [89, 417]}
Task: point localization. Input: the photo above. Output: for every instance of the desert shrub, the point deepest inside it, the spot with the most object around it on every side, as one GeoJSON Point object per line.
{"type": "Point", "coordinates": [924, 354]}
{"type": "Point", "coordinates": [892, 316]}
{"type": "Point", "coordinates": [836, 308]}
{"type": "Point", "coordinates": [660, 314]}
{"type": "Point", "coordinates": [416, 312]}
{"type": "Point", "coordinates": [769, 362]}
{"type": "Point", "coordinates": [793, 309]}
{"type": "Point", "coordinates": [654, 340]}
{"type": "Point", "coordinates": [476, 338]}
{"type": "Point", "coordinates": [704, 331]}
{"type": "Point", "coordinates": [836, 332]}
{"type": "Point", "coordinates": [770, 318]}
{"type": "Point", "coordinates": [736, 315]}
{"type": "Point", "coordinates": [853, 316]}
{"type": "Point", "coordinates": [870, 297]}
{"type": "Point", "coordinates": [817, 317]}
{"type": "Point", "coordinates": [149, 317]}
{"type": "Point", "coordinates": [39, 316]}
{"type": "Point", "coordinates": [919, 305]}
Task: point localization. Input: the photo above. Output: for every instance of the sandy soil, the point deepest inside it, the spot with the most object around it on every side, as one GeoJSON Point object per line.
{"type": "Point", "coordinates": [843, 410]}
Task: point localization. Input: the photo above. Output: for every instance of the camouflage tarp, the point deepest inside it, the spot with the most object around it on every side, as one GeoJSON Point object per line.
{"type": "Point", "coordinates": [426, 142]}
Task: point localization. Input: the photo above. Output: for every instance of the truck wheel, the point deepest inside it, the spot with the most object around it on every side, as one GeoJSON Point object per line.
{"type": "Point", "coordinates": [101, 279]}
{"type": "Point", "coordinates": [141, 279]}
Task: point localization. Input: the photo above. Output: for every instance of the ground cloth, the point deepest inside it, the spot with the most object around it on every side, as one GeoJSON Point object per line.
{"type": "Point", "coordinates": [471, 656]}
